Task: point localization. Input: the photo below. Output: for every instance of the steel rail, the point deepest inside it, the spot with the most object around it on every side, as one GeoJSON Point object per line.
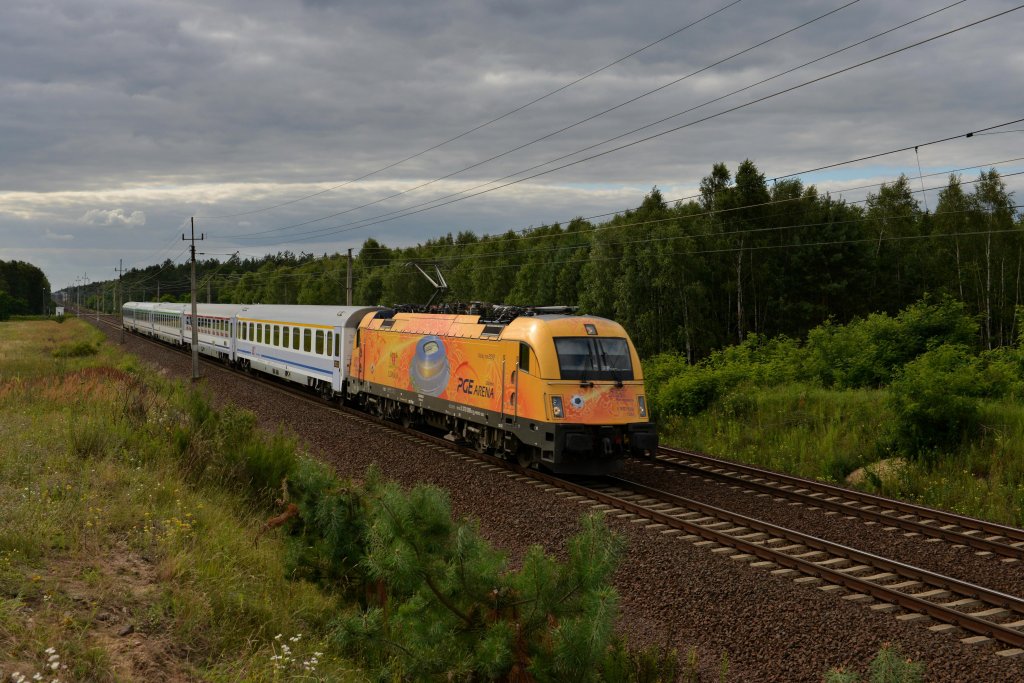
{"type": "Point", "coordinates": [907, 601]}
{"type": "Point", "coordinates": [977, 542]}
{"type": "Point", "coordinates": [971, 523]}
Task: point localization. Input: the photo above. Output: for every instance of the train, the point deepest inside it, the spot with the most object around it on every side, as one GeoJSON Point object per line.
{"type": "Point", "coordinates": [545, 388]}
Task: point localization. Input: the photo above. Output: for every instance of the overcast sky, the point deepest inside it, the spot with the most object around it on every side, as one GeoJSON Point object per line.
{"type": "Point", "coordinates": [121, 119]}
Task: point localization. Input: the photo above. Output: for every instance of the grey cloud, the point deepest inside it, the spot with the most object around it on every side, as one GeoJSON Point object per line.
{"type": "Point", "coordinates": [109, 95]}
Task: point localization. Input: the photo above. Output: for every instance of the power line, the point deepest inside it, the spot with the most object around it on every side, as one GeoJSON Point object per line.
{"type": "Point", "coordinates": [183, 284]}
{"type": "Point", "coordinates": [487, 123]}
{"type": "Point", "coordinates": [569, 127]}
{"type": "Point", "coordinates": [462, 196]}
{"type": "Point", "coordinates": [496, 236]}
{"type": "Point", "coordinates": [266, 277]}
{"type": "Point", "coordinates": [745, 231]}
{"type": "Point", "coordinates": [784, 246]}
{"type": "Point", "coordinates": [588, 244]}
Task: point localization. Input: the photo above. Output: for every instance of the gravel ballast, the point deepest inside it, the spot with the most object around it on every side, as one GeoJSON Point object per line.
{"type": "Point", "coordinates": [671, 591]}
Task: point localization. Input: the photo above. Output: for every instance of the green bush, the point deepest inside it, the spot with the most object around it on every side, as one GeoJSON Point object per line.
{"type": "Point", "coordinates": [678, 388]}
{"type": "Point", "coordinates": [934, 400]}
{"type": "Point", "coordinates": [454, 610]}
{"type": "Point", "coordinates": [79, 349]}
{"type": "Point", "coordinates": [688, 393]}
{"type": "Point", "coordinates": [327, 543]}
{"type": "Point", "coordinates": [888, 666]}
{"type": "Point", "coordinates": [868, 352]}
{"type": "Point", "coordinates": [864, 353]}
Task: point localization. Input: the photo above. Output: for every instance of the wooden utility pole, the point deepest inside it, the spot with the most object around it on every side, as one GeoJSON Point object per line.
{"type": "Point", "coordinates": [120, 293]}
{"type": "Point", "coordinates": [195, 326]}
{"type": "Point", "coordinates": [348, 280]}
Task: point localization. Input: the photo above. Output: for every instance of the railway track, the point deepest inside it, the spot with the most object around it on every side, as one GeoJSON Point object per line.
{"type": "Point", "coordinates": [987, 539]}
{"type": "Point", "coordinates": [886, 585]}
{"type": "Point", "coordinates": [988, 614]}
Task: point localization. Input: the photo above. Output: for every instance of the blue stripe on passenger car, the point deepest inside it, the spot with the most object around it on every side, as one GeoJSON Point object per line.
{"type": "Point", "coordinates": [287, 362]}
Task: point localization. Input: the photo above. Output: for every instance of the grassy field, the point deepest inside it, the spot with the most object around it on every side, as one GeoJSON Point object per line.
{"type": "Point", "coordinates": [828, 433]}
{"type": "Point", "coordinates": [114, 564]}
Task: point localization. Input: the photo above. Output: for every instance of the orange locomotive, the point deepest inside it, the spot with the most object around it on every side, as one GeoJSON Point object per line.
{"type": "Point", "coordinates": [561, 391]}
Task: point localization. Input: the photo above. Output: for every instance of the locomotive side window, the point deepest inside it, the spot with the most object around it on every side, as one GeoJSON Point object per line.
{"type": "Point", "coordinates": [330, 343]}
{"type": "Point", "coordinates": [601, 358]}
{"type": "Point", "coordinates": [524, 357]}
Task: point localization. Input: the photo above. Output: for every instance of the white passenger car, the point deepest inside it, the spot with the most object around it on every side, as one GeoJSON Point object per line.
{"type": "Point", "coordinates": [216, 324]}
{"type": "Point", "coordinates": [160, 320]}
{"type": "Point", "coordinates": [310, 345]}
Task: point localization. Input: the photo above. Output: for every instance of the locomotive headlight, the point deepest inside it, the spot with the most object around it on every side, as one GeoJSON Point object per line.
{"type": "Point", "coordinates": [642, 402]}
{"type": "Point", "coordinates": [556, 407]}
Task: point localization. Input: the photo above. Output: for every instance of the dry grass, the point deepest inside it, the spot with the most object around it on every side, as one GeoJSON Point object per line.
{"type": "Point", "coordinates": [109, 558]}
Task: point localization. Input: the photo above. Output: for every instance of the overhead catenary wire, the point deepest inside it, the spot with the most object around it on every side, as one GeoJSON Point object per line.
{"type": "Point", "coordinates": [671, 219]}
{"type": "Point", "coordinates": [169, 287]}
{"type": "Point", "coordinates": [839, 192]}
{"type": "Point", "coordinates": [437, 203]}
{"type": "Point", "coordinates": [730, 249]}
{"type": "Point", "coordinates": [577, 123]}
{"type": "Point", "coordinates": [487, 123]}
{"type": "Point", "coordinates": [587, 233]}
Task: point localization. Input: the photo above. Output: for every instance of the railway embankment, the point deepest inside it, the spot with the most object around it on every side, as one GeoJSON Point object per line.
{"type": "Point", "coordinates": [768, 627]}
{"type": "Point", "coordinates": [149, 535]}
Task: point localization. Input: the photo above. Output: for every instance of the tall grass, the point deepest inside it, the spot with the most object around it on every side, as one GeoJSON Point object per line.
{"type": "Point", "coordinates": [827, 434]}
{"type": "Point", "coordinates": [100, 517]}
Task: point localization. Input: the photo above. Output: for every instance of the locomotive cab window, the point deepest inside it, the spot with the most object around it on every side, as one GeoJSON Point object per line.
{"type": "Point", "coordinates": [524, 357]}
{"type": "Point", "coordinates": [590, 358]}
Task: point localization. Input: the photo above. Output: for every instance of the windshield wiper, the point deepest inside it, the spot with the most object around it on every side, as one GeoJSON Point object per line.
{"type": "Point", "coordinates": [608, 366]}
{"type": "Point", "coordinates": [586, 363]}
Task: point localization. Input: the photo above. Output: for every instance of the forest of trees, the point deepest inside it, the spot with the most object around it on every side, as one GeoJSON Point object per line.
{"type": "Point", "coordinates": [24, 290]}
{"type": "Point", "coordinates": [745, 257]}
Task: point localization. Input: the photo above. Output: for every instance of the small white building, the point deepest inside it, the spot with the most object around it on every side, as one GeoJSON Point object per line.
{"type": "Point", "coordinates": [59, 312]}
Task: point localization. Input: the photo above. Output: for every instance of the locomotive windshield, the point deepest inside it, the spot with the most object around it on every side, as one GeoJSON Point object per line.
{"type": "Point", "coordinates": [594, 358]}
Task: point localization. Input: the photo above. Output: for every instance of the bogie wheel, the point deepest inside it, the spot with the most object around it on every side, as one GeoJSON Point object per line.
{"type": "Point", "coordinates": [523, 458]}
